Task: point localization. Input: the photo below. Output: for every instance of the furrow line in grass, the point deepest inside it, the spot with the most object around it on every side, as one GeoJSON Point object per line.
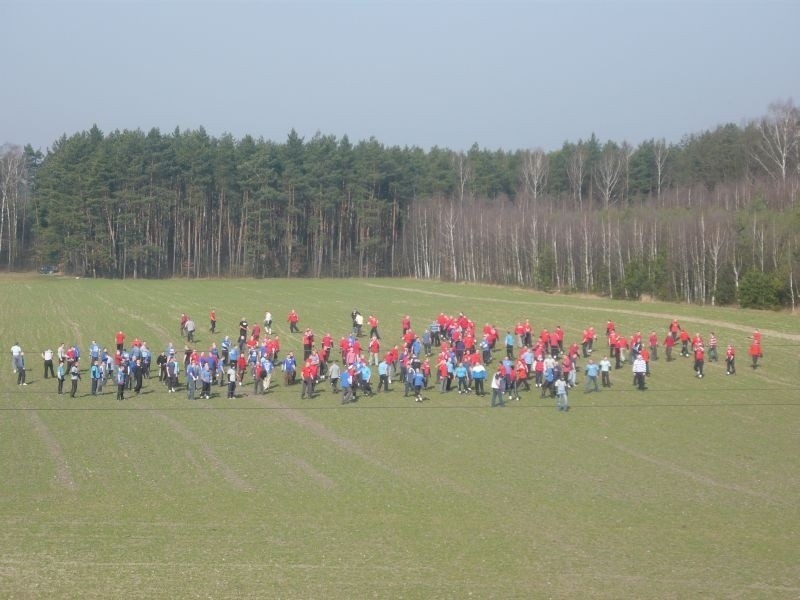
{"type": "Point", "coordinates": [605, 309]}
{"type": "Point", "coordinates": [63, 473]}
{"type": "Point", "coordinates": [219, 465]}
{"type": "Point", "coordinates": [692, 475]}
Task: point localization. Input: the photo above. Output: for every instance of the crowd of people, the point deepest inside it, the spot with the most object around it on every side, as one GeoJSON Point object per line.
{"type": "Point", "coordinates": [448, 354]}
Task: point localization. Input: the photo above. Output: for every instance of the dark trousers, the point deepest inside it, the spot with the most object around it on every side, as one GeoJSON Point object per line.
{"type": "Point", "coordinates": [74, 389]}
{"type": "Point", "coordinates": [48, 368]}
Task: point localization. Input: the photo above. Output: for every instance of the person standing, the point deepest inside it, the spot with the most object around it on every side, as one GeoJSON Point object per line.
{"type": "Point", "coordinates": [699, 360]}
{"type": "Point", "coordinates": [268, 323]}
{"type": "Point", "coordinates": [137, 374]}
{"type": "Point", "coordinates": [498, 389]}
{"type": "Point", "coordinates": [712, 347]}
{"type": "Point", "coordinates": [47, 357]}
{"type": "Point", "coordinates": [205, 380]}
{"type": "Point", "coordinates": [16, 350]}
{"type": "Point", "coordinates": [669, 344]}
{"type": "Point", "coordinates": [293, 319]}
{"type": "Point", "coordinates": [383, 375]}
{"type": "Point", "coordinates": [605, 371]}
{"type": "Point", "coordinates": [95, 375]}
{"type": "Point", "coordinates": [591, 370]}
{"type": "Point", "coordinates": [653, 342]}
{"type": "Point", "coordinates": [119, 338]}
{"type": "Point", "coordinates": [479, 376]}
{"type": "Point", "coordinates": [639, 372]}
{"type": "Point", "coordinates": [74, 376]}
{"type": "Point", "coordinates": [20, 368]}
{"type": "Point", "coordinates": [755, 352]}
{"type": "Point", "coordinates": [231, 376]}
{"type": "Point", "coordinates": [121, 378]}
{"type": "Point", "coordinates": [61, 373]}
{"type": "Point", "coordinates": [190, 329]}
{"type": "Point", "coordinates": [730, 360]}
{"type": "Point", "coordinates": [192, 377]}
{"type": "Point", "coordinates": [212, 318]}
{"type": "Point", "coordinates": [561, 394]}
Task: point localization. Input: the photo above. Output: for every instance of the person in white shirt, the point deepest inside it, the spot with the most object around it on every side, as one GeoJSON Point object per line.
{"type": "Point", "coordinates": [47, 356]}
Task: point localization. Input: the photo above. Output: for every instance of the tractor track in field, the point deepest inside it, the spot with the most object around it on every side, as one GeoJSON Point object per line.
{"type": "Point", "coordinates": [692, 475]}
{"type": "Point", "coordinates": [63, 473]}
{"type": "Point", "coordinates": [298, 417]}
{"type": "Point", "coordinates": [620, 311]}
{"type": "Point", "coordinates": [205, 449]}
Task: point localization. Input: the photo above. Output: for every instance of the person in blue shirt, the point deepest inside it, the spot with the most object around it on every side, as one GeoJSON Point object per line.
{"type": "Point", "coordinates": [419, 382]}
{"type": "Point", "coordinates": [192, 376]}
{"type": "Point", "coordinates": [121, 378]}
{"type": "Point", "coordinates": [509, 345]}
{"type": "Point", "coordinates": [591, 370]}
{"type": "Point", "coordinates": [95, 374]}
{"type": "Point", "coordinates": [346, 381]}
{"type": "Point", "coordinates": [205, 379]}
{"type": "Point", "coordinates": [383, 376]}
{"type": "Point", "coordinates": [289, 368]}
{"type": "Point", "coordinates": [461, 375]}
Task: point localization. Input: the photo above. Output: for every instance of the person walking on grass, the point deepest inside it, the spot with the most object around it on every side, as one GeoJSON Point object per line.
{"type": "Point", "coordinates": [639, 372]}
{"type": "Point", "coordinates": [19, 365]}
{"type": "Point", "coordinates": [192, 377]}
{"type": "Point", "coordinates": [95, 375]}
{"type": "Point", "coordinates": [121, 378]}
{"type": "Point", "coordinates": [61, 373]}
{"type": "Point", "coordinates": [562, 402]}
{"type": "Point", "coordinates": [730, 360]}
{"type": "Point", "coordinates": [47, 357]}
{"type": "Point", "coordinates": [591, 370]}
{"type": "Point", "coordinates": [498, 389]}
{"type": "Point", "coordinates": [231, 376]}
{"type": "Point", "coordinates": [74, 376]}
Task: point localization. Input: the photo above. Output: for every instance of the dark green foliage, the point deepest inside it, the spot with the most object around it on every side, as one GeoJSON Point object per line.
{"type": "Point", "coordinates": [759, 290]}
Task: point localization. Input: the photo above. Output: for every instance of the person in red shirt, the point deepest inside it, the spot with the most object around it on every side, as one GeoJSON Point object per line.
{"type": "Point", "coordinates": [241, 367]}
{"type": "Point", "coordinates": [755, 352]}
{"type": "Point", "coordinates": [120, 339]}
{"type": "Point", "coordinates": [255, 331]}
{"type": "Point", "coordinates": [184, 320]}
{"type": "Point", "coordinates": [684, 337]}
{"type": "Point", "coordinates": [669, 343]}
{"type": "Point", "coordinates": [212, 317]}
{"type": "Point", "coordinates": [406, 324]}
{"type": "Point", "coordinates": [373, 327]}
{"type": "Point", "coordinates": [374, 349]}
{"type": "Point", "coordinates": [293, 319]}
{"type": "Point", "coordinates": [674, 329]}
{"type": "Point", "coordinates": [699, 359]}
{"type": "Point", "coordinates": [730, 360]}
{"type": "Point", "coordinates": [653, 341]}
{"type": "Point", "coordinates": [307, 374]}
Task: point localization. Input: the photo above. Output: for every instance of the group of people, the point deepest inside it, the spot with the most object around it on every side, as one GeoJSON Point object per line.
{"type": "Point", "coordinates": [450, 351]}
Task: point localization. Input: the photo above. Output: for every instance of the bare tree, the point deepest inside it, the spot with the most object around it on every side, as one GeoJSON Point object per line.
{"type": "Point", "coordinates": [660, 154]}
{"type": "Point", "coordinates": [608, 172]}
{"type": "Point", "coordinates": [576, 172]}
{"type": "Point", "coordinates": [12, 182]}
{"type": "Point", "coordinates": [779, 137]}
{"type": "Point", "coordinates": [534, 172]}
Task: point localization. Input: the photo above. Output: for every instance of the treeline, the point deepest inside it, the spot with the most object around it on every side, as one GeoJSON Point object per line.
{"type": "Point", "coordinates": [712, 219]}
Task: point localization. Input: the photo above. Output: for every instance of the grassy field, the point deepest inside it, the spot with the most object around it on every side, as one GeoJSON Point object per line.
{"type": "Point", "coordinates": [687, 490]}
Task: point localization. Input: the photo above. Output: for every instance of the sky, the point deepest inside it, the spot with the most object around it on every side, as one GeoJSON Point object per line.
{"type": "Point", "coordinates": [506, 74]}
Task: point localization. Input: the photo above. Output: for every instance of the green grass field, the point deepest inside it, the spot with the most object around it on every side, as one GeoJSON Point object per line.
{"type": "Point", "coordinates": [687, 490]}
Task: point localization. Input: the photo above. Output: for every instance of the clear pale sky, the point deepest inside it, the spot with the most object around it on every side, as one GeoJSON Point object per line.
{"type": "Point", "coordinates": [442, 73]}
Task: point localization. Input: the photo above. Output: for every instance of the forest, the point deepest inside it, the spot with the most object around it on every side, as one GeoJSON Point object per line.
{"type": "Point", "coordinates": [712, 219]}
